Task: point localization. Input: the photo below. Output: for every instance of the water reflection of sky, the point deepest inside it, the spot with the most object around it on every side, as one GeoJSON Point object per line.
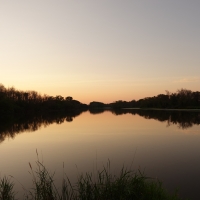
{"type": "Point", "coordinates": [168, 153]}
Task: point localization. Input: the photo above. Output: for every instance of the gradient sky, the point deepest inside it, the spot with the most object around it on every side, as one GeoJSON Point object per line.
{"type": "Point", "coordinates": [103, 50]}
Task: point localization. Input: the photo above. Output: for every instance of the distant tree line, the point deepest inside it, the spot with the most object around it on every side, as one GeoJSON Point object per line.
{"type": "Point", "coordinates": [181, 99]}
{"type": "Point", "coordinates": [17, 102]}
{"type": "Point", "coordinates": [13, 101]}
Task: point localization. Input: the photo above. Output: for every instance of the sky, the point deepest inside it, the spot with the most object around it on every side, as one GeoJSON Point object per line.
{"type": "Point", "coordinates": [100, 50]}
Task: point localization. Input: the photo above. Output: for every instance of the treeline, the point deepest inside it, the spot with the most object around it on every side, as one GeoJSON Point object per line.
{"type": "Point", "coordinates": [181, 99]}
{"type": "Point", "coordinates": [16, 102]}
{"type": "Point", "coordinates": [13, 101]}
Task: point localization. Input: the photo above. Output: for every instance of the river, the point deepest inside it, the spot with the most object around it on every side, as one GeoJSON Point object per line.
{"type": "Point", "coordinates": [165, 145]}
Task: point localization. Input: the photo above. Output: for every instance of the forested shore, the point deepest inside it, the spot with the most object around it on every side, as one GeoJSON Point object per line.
{"type": "Point", "coordinates": [182, 99]}
{"type": "Point", "coordinates": [15, 102]}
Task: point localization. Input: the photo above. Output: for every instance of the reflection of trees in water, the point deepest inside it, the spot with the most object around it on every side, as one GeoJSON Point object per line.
{"type": "Point", "coordinates": [11, 127]}
{"type": "Point", "coordinates": [183, 119]}
{"type": "Point", "coordinates": [96, 111]}
{"type": "Point", "coordinates": [69, 118]}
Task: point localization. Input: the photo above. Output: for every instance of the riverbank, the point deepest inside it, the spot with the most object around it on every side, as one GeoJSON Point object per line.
{"type": "Point", "coordinates": [165, 109]}
{"type": "Point", "coordinates": [103, 185]}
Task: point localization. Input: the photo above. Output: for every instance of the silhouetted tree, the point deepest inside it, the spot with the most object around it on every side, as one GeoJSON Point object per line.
{"type": "Point", "coordinates": [13, 102]}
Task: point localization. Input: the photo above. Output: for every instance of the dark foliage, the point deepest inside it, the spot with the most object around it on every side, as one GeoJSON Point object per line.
{"type": "Point", "coordinates": [17, 103]}
{"type": "Point", "coordinates": [181, 99]}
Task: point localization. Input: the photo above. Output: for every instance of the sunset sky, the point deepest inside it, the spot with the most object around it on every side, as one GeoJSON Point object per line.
{"type": "Point", "coordinates": [102, 50]}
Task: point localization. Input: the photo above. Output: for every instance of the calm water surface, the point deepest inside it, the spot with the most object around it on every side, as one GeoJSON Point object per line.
{"type": "Point", "coordinates": [161, 144]}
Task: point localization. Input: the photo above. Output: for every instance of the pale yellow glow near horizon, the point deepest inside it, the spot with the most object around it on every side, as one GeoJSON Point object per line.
{"type": "Point", "coordinates": [105, 91]}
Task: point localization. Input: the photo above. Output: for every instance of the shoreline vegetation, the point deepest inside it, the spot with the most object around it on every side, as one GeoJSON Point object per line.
{"type": "Point", "coordinates": [103, 185]}
{"type": "Point", "coordinates": [14, 103]}
{"type": "Point", "coordinates": [28, 110]}
{"type": "Point", "coordinates": [167, 109]}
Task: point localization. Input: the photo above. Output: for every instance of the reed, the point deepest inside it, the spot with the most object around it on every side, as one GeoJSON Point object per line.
{"type": "Point", "coordinates": [103, 185]}
{"type": "Point", "coordinates": [6, 189]}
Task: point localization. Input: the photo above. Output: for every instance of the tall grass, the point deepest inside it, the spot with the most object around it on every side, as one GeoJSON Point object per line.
{"type": "Point", "coordinates": [103, 185]}
{"type": "Point", "coordinates": [6, 189]}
